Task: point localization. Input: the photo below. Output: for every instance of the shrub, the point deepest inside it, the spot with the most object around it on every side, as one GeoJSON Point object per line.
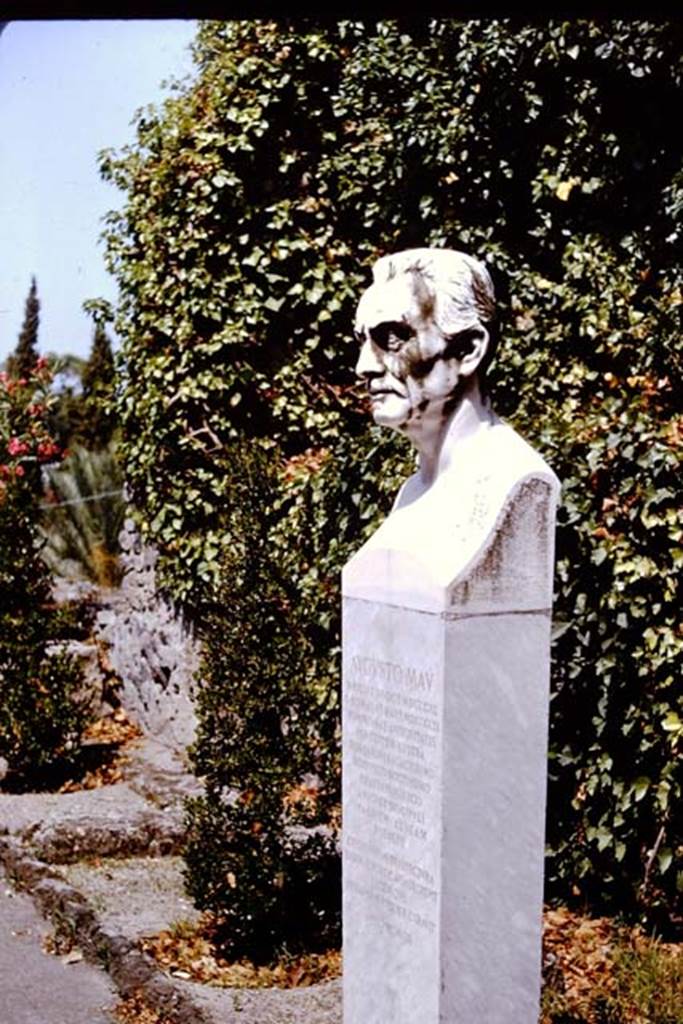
{"type": "Point", "coordinates": [261, 852]}
{"type": "Point", "coordinates": [257, 199]}
{"type": "Point", "coordinates": [42, 710]}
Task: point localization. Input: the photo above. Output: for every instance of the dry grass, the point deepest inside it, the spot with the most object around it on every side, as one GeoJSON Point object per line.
{"type": "Point", "coordinates": [596, 972]}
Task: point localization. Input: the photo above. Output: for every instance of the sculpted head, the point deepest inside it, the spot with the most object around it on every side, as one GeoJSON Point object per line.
{"type": "Point", "coordinates": [425, 331]}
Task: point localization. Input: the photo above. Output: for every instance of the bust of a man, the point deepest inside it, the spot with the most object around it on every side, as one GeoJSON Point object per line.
{"type": "Point", "coordinates": [426, 329]}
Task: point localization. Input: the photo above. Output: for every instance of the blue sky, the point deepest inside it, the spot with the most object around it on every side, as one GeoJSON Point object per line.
{"type": "Point", "coordinates": [67, 90]}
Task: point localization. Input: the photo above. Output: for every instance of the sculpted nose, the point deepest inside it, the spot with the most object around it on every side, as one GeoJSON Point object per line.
{"type": "Point", "coordinates": [369, 363]}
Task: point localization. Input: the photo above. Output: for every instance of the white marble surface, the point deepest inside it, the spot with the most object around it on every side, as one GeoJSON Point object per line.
{"type": "Point", "coordinates": [392, 793]}
{"type": "Point", "coordinates": [430, 553]}
{"type": "Point", "coordinates": [493, 817]}
{"type": "Point", "coordinates": [445, 695]}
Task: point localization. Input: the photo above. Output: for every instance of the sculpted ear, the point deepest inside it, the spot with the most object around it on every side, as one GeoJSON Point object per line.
{"type": "Point", "coordinates": [470, 348]}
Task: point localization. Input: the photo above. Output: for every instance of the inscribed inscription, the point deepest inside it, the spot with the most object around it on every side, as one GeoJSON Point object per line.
{"type": "Point", "coordinates": [392, 728]}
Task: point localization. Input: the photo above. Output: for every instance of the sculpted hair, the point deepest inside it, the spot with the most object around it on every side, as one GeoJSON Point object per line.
{"type": "Point", "coordinates": [451, 287]}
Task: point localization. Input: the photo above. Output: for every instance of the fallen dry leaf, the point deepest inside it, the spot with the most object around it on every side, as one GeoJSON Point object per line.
{"type": "Point", "coordinates": [135, 1010]}
{"type": "Point", "coordinates": [579, 965]}
{"type": "Point", "coordinates": [192, 954]}
{"type": "Point", "coordinates": [116, 732]}
{"type": "Point", "coordinates": [115, 728]}
{"type": "Point", "coordinates": [74, 957]}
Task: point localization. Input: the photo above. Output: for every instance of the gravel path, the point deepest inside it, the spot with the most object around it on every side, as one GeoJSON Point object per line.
{"type": "Point", "coordinates": [36, 987]}
{"type": "Point", "coordinates": [103, 865]}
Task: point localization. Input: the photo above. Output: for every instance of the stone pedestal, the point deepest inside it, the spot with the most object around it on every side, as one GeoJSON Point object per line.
{"type": "Point", "coordinates": [445, 696]}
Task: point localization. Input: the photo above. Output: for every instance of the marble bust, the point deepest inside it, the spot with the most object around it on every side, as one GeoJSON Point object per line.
{"type": "Point", "coordinates": [426, 327]}
{"type": "Point", "coordinates": [446, 618]}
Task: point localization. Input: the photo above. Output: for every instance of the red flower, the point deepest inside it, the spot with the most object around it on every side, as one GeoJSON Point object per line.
{"type": "Point", "coordinates": [47, 450]}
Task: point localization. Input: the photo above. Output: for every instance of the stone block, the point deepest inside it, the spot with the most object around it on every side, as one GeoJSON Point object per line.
{"type": "Point", "coordinates": [445, 718]}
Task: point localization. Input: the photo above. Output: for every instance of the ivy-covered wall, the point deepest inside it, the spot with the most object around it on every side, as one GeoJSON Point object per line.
{"type": "Point", "coordinates": [255, 202]}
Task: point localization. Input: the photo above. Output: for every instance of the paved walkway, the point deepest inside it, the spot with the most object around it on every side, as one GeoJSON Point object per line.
{"type": "Point", "coordinates": [37, 988]}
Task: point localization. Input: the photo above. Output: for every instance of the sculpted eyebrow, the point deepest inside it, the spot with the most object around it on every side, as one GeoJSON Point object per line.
{"type": "Point", "coordinates": [381, 332]}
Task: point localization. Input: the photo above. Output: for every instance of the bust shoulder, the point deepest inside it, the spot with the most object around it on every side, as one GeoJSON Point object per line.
{"type": "Point", "coordinates": [434, 533]}
{"type": "Point", "coordinates": [496, 456]}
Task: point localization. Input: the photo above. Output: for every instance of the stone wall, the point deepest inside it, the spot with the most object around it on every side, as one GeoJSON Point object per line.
{"type": "Point", "coordinates": [150, 648]}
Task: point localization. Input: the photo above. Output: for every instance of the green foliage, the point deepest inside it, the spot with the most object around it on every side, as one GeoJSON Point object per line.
{"type": "Point", "coordinates": [257, 199]}
{"type": "Point", "coordinates": [42, 712]}
{"type": "Point", "coordinates": [24, 357]}
{"type": "Point", "coordinates": [261, 851]}
{"type": "Point", "coordinates": [66, 413]}
{"type": "Point", "coordinates": [98, 417]}
{"type": "Point", "coordinates": [83, 517]}
{"type": "Point", "coordinates": [84, 413]}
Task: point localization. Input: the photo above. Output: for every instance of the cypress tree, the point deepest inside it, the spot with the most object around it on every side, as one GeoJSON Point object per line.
{"type": "Point", "coordinates": [25, 354]}
{"type": "Point", "coordinates": [98, 384]}
{"type": "Point", "coordinates": [98, 373]}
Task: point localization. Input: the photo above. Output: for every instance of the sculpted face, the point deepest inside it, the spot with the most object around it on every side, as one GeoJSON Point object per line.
{"type": "Point", "coordinates": [413, 371]}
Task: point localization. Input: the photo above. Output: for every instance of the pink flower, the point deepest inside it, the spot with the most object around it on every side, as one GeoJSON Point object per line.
{"type": "Point", "coordinates": [41, 363]}
{"type": "Point", "coordinates": [17, 447]}
{"type": "Point", "coordinates": [19, 470]}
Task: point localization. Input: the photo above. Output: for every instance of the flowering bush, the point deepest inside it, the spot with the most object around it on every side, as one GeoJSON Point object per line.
{"type": "Point", "coordinates": [41, 712]}
{"type": "Point", "coordinates": [24, 437]}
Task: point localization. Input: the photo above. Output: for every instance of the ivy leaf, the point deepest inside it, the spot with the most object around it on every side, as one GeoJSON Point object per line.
{"type": "Point", "coordinates": [664, 859]}
{"type": "Point", "coordinates": [640, 787]}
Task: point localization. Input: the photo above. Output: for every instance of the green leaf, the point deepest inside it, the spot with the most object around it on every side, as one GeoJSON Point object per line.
{"type": "Point", "coordinates": [664, 859]}
{"type": "Point", "coordinates": [604, 838]}
{"type": "Point", "coordinates": [640, 787]}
